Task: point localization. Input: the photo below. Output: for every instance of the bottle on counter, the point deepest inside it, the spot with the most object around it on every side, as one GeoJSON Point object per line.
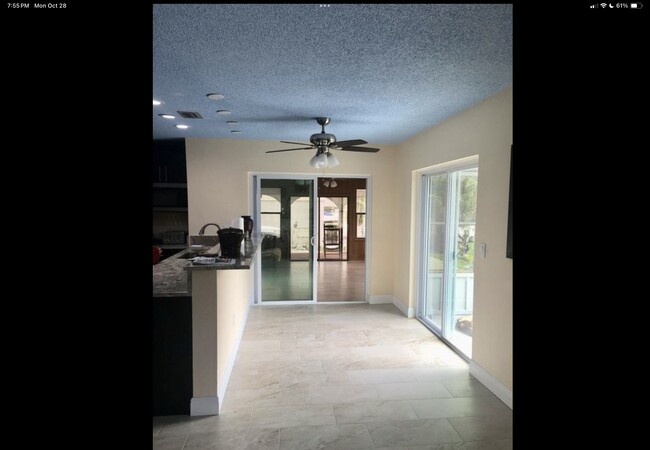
{"type": "Point", "coordinates": [157, 253]}
{"type": "Point", "coordinates": [248, 226]}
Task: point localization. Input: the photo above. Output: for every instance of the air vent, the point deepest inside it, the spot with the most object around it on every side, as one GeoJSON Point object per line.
{"type": "Point", "coordinates": [190, 115]}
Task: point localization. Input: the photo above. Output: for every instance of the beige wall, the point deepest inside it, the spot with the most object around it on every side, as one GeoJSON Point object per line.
{"type": "Point", "coordinates": [233, 296]}
{"type": "Point", "coordinates": [218, 189]}
{"type": "Point", "coordinates": [220, 300]}
{"type": "Point", "coordinates": [484, 130]}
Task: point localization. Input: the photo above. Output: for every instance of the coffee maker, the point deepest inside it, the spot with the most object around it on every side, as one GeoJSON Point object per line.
{"type": "Point", "coordinates": [230, 240]}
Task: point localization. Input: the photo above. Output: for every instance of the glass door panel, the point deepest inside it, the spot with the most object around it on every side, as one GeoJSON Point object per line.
{"type": "Point", "coordinates": [286, 225]}
{"type": "Point", "coordinates": [459, 331]}
{"type": "Point", "coordinates": [436, 245]}
{"type": "Point", "coordinates": [447, 263]}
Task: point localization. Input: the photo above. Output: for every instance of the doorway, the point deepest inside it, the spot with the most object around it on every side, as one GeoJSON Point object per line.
{"type": "Point", "coordinates": [446, 271]}
{"type": "Point", "coordinates": [287, 216]}
{"type": "Point", "coordinates": [342, 239]}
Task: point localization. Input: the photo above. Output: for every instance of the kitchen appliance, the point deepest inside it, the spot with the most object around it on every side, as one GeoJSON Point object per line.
{"type": "Point", "coordinates": [230, 240]}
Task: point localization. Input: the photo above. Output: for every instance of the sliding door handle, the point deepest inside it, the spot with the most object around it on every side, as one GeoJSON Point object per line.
{"type": "Point", "coordinates": [313, 241]}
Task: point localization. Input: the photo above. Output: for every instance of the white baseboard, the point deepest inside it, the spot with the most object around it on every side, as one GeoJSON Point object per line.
{"type": "Point", "coordinates": [204, 406]}
{"type": "Point", "coordinates": [407, 311]}
{"type": "Point", "coordinates": [380, 299]}
{"type": "Point", "coordinates": [490, 382]}
{"type": "Point", "coordinates": [233, 356]}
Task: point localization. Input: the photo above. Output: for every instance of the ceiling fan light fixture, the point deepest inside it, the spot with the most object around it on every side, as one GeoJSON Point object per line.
{"type": "Point", "coordinates": [332, 161]}
{"type": "Point", "coordinates": [314, 162]}
{"type": "Point", "coordinates": [322, 160]}
{"type": "Point", "coordinates": [333, 183]}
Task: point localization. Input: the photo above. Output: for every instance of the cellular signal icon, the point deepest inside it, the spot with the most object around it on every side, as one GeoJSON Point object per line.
{"type": "Point", "coordinates": [594, 6]}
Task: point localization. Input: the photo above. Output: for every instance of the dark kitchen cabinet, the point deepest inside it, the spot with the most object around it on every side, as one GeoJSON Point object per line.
{"type": "Point", "coordinates": [169, 161]}
{"type": "Point", "coordinates": [169, 190]}
{"type": "Point", "coordinates": [172, 355]}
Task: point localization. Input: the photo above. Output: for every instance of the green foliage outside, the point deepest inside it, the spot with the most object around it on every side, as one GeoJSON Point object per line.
{"type": "Point", "coordinates": [464, 261]}
{"type": "Point", "coordinates": [467, 217]}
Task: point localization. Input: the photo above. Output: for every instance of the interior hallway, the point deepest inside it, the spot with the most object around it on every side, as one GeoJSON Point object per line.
{"type": "Point", "coordinates": [353, 376]}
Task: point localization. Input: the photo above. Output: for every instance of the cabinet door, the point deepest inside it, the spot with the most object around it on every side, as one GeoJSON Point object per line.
{"type": "Point", "coordinates": [168, 162]}
{"type": "Point", "coordinates": [175, 168]}
{"type": "Point", "coordinates": [156, 167]}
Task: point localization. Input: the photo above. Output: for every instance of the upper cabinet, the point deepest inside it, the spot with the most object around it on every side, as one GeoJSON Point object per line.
{"type": "Point", "coordinates": [169, 161]}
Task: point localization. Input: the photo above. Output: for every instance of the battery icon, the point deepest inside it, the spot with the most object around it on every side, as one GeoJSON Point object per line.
{"type": "Point", "coordinates": [637, 5]}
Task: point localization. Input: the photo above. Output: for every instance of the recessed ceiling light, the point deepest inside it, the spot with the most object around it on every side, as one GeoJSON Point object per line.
{"type": "Point", "coordinates": [232, 122]}
{"type": "Point", "coordinates": [215, 96]}
{"type": "Point", "coordinates": [156, 102]}
{"type": "Point", "coordinates": [235, 131]}
{"type": "Point", "coordinates": [182, 127]}
{"type": "Point", "coordinates": [223, 112]}
{"type": "Point", "coordinates": [167, 116]}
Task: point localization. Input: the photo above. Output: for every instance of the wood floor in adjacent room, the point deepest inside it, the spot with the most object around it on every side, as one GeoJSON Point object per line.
{"type": "Point", "coordinates": [340, 281]}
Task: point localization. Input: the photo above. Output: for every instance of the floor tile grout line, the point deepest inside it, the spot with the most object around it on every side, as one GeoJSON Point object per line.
{"type": "Point", "coordinates": [185, 441]}
{"type": "Point", "coordinates": [457, 432]}
{"type": "Point", "coordinates": [369, 435]}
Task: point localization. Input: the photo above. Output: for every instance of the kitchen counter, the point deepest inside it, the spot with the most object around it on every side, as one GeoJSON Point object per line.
{"type": "Point", "coordinates": [171, 276]}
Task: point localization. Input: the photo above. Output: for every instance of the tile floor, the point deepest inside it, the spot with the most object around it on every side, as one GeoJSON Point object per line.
{"type": "Point", "coordinates": [345, 377]}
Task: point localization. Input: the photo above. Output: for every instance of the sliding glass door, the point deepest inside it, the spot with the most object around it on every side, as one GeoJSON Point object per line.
{"type": "Point", "coordinates": [446, 274]}
{"type": "Point", "coordinates": [286, 223]}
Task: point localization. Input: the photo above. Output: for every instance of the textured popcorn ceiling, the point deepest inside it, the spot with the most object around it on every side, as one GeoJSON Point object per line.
{"type": "Point", "coordinates": [381, 72]}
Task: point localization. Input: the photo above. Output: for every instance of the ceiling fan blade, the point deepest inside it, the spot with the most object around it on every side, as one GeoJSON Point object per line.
{"type": "Point", "coordinates": [348, 143]}
{"type": "Point", "coordinates": [297, 143]}
{"type": "Point", "coordinates": [290, 149]}
{"type": "Point", "coordinates": [360, 149]}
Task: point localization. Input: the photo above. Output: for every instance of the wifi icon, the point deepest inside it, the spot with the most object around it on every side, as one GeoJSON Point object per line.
{"type": "Point", "coordinates": [603, 5]}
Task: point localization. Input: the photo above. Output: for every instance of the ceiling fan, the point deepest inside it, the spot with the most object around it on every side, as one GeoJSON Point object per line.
{"type": "Point", "coordinates": [323, 143]}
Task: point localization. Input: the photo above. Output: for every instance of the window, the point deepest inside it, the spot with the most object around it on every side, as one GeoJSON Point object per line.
{"type": "Point", "coordinates": [361, 213]}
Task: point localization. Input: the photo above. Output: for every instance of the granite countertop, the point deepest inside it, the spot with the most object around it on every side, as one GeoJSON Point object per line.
{"type": "Point", "coordinates": [171, 276]}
